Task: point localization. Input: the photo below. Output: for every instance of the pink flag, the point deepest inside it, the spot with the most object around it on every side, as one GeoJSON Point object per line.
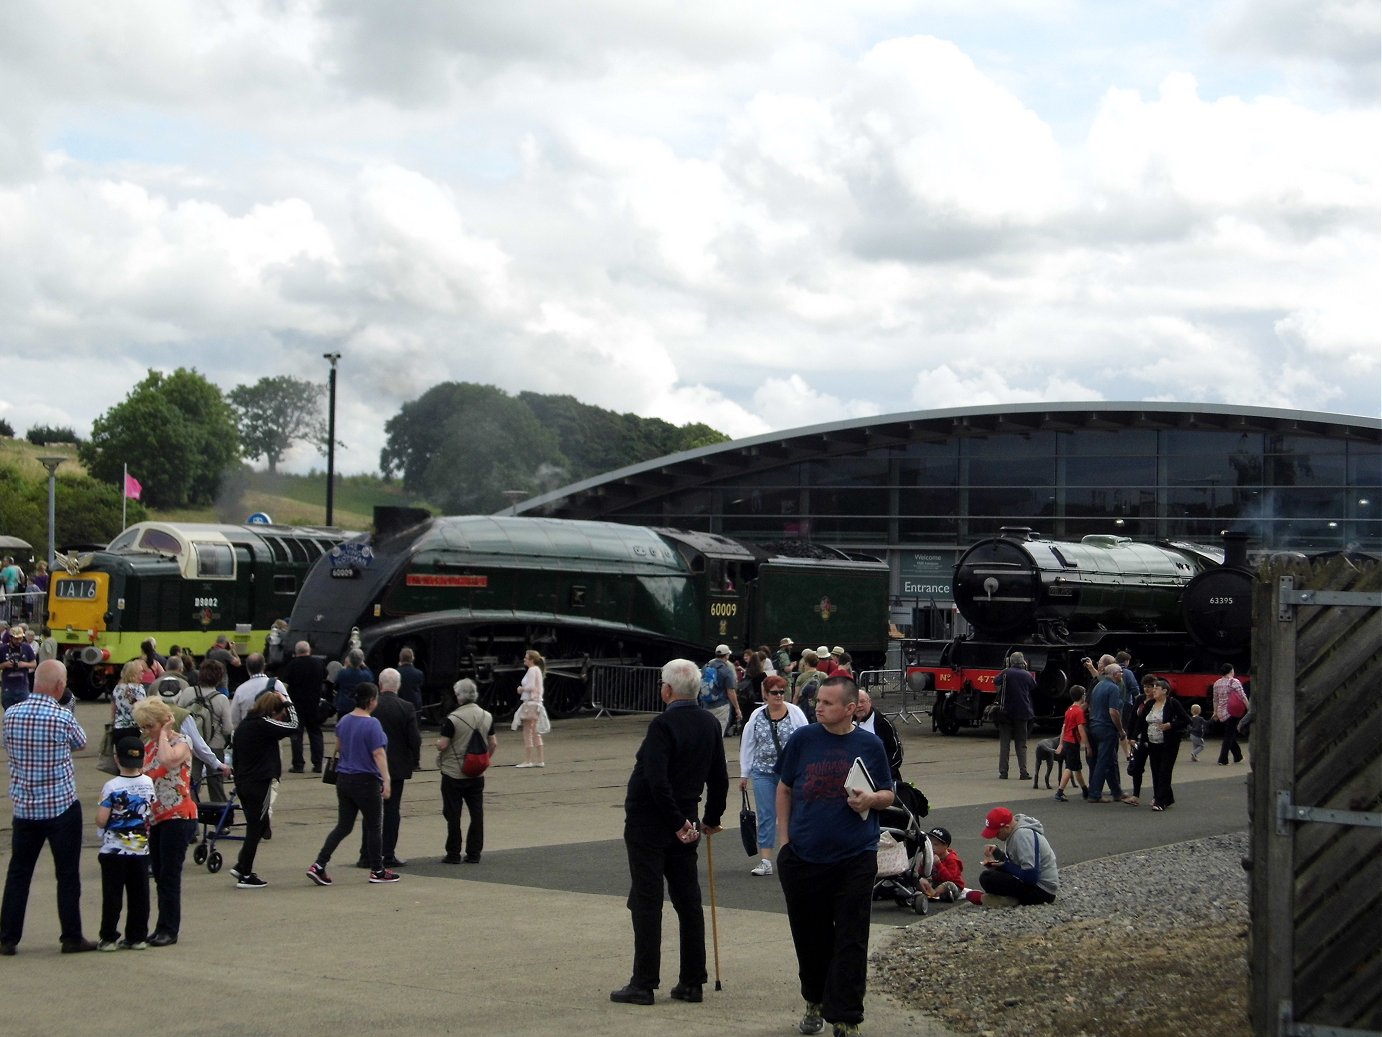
{"type": "Point", "coordinates": [132, 487]}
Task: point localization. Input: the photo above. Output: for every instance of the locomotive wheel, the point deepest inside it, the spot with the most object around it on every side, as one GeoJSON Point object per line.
{"type": "Point", "coordinates": [948, 722]}
{"type": "Point", "coordinates": [564, 696]}
{"type": "Point", "coordinates": [199, 854]}
{"type": "Point", "coordinates": [214, 862]}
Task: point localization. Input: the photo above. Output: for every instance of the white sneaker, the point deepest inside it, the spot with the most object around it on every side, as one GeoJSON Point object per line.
{"type": "Point", "coordinates": [520, 766]}
{"type": "Point", "coordinates": [765, 867]}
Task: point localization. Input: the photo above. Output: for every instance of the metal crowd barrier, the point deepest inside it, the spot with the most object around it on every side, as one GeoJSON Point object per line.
{"type": "Point", "coordinates": [625, 689]}
{"type": "Point", "coordinates": [892, 697]}
{"type": "Point", "coordinates": [24, 607]}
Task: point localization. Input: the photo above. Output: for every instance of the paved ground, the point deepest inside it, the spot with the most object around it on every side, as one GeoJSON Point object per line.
{"type": "Point", "coordinates": [531, 940]}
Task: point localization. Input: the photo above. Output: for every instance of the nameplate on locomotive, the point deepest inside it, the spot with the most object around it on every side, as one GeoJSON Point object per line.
{"type": "Point", "coordinates": [444, 580]}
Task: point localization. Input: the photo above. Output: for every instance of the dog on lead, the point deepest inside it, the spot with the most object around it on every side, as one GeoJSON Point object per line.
{"type": "Point", "coordinates": [1048, 752]}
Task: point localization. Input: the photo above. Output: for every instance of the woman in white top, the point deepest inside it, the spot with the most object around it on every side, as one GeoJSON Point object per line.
{"type": "Point", "coordinates": [531, 710]}
{"type": "Point", "coordinates": [123, 697]}
{"type": "Point", "coordinates": [760, 749]}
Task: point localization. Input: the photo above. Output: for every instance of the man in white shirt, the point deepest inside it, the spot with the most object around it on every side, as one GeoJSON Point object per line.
{"type": "Point", "coordinates": [255, 685]}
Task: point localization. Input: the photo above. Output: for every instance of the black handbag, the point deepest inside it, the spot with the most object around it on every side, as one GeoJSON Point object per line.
{"type": "Point", "coordinates": [329, 770]}
{"type": "Point", "coordinates": [748, 826]}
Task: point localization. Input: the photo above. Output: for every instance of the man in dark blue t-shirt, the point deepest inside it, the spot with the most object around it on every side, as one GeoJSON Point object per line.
{"type": "Point", "coordinates": [828, 839]}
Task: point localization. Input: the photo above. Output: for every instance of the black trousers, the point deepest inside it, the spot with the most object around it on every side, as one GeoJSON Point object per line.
{"type": "Point", "coordinates": [254, 800]}
{"type": "Point", "coordinates": [309, 721]}
{"type": "Point", "coordinates": [124, 883]}
{"type": "Point", "coordinates": [828, 908]}
{"type": "Point", "coordinates": [1162, 759]}
{"type": "Point", "coordinates": [357, 794]}
{"type": "Point", "coordinates": [168, 842]}
{"type": "Point", "coordinates": [1230, 743]}
{"type": "Point", "coordinates": [470, 794]}
{"type": "Point", "coordinates": [390, 821]}
{"type": "Point", "coordinates": [654, 858]}
{"type": "Point", "coordinates": [63, 834]}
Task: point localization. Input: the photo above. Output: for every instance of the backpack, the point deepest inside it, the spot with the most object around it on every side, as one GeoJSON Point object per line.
{"type": "Point", "coordinates": [205, 717]}
{"type": "Point", "coordinates": [476, 759]}
{"type": "Point", "coordinates": [710, 684]}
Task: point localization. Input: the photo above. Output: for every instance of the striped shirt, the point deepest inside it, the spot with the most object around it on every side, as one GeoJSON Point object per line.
{"type": "Point", "coordinates": [39, 738]}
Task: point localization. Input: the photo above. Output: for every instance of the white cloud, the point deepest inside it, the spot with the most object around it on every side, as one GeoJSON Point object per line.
{"type": "Point", "coordinates": [744, 216]}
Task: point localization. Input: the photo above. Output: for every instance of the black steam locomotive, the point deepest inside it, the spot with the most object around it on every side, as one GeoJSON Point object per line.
{"type": "Point", "coordinates": [1181, 610]}
{"type": "Point", "coordinates": [469, 594]}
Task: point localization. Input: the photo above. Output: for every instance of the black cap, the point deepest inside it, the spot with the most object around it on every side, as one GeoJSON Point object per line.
{"type": "Point", "coordinates": [940, 834]}
{"type": "Point", "coordinates": [129, 752]}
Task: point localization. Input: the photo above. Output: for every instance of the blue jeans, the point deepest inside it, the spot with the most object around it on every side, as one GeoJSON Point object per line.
{"type": "Point", "coordinates": [63, 834]}
{"type": "Point", "coordinates": [1105, 741]}
{"type": "Point", "coordinates": [765, 802]}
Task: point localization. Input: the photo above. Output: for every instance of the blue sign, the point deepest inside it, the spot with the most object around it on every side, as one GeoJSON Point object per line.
{"type": "Point", "coordinates": [259, 519]}
{"type": "Point", "coordinates": [353, 555]}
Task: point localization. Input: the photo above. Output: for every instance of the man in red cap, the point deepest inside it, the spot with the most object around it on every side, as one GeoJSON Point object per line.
{"type": "Point", "coordinates": [1024, 871]}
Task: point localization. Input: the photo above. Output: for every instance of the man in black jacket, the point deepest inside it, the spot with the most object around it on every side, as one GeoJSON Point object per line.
{"type": "Point", "coordinates": [681, 755]}
{"type": "Point", "coordinates": [399, 721]}
{"type": "Point", "coordinates": [304, 675]}
{"type": "Point", "coordinates": [871, 720]}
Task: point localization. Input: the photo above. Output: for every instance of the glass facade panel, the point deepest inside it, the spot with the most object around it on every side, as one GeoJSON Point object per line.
{"type": "Point", "coordinates": [1113, 470]}
{"type": "Point", "coordinates": [1018, 444]}
{"type": "Point", "coordinates": [1012, 471]}
{"type": "Point", "coordinates": [1115, 442]}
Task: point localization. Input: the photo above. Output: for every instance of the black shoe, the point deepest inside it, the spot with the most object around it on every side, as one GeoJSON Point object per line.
{"type": "Point", "coordinates": [451, 858]}
{"type": "Point", "coordinates": [1025, 777]}
{"type": "Point", "coordinates": [316, 768]}
{"type": "Point", "coordinates": [78, 946]}
{"type": "Point", "coordinates": [8, 950]}
{"type": "Point", "coordinates": [162, 940]}
{"type": "Point", "coordinates": [690, 992]}
{"type": "Point", "coordinates": [472, 860]}
{"type": "Point", "coordinates": [296, 768]}
{"type": "Point", "coordinates": [362, 863]}
{"type": "Point", "coordinates": [631, 995]}
{"type": "Point", "coordinates": [267, 833]}
{"type": "Point", "coordinates": [394, 862]}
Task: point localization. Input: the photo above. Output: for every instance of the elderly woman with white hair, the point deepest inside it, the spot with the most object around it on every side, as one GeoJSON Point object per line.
{"type": "Point", "coordinates": [459, 788]}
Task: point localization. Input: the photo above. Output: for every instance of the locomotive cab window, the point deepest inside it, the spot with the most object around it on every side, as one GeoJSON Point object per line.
{"type": "Point", "coordinates": [285, 583]}
{"type": "Point", "coordinates": [163, 543]}
{"type": "Point", "coordinates": [215, 561]}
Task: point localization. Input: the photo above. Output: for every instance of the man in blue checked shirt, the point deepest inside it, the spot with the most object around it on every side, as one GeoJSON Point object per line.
{"type": "Point", "coordinates": [40, 734]}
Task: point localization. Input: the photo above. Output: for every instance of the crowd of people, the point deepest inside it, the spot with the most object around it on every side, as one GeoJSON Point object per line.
{"type": "Point", "coordinates": [805, 738]}
{"type": "Point", "coordinates": [23, 596]}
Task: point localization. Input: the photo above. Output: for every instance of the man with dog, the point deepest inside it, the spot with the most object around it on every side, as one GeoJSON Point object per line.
{"type": "Point", "coordinates": [1024, 871]}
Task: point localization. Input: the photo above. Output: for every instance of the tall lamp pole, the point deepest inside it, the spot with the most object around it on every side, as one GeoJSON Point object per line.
{"type": "Point", "coordinates": [334, 358]}
{"type": "Point", "coordinates": [51, 463]}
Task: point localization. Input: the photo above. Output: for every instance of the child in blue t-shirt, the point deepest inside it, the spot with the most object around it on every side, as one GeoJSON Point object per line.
{"type": "Point", "coordinates": [123, 819]}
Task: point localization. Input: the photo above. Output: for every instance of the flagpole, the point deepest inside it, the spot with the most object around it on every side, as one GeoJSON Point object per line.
{"type": "Point", "coordinates": [124, 496]}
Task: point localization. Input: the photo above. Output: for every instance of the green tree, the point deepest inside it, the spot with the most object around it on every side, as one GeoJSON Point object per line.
{"type": "Point", "coordinates": [175, 432]}
{"type": "Point", "coordinates": [86, 511]}
{"type": "Point", "coordinates": [461, 446]}
{"type": "Point", "coordinates": [274, 413]}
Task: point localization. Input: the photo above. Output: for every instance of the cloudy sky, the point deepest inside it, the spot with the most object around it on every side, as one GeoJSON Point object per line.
{"type": "Point", "coordinates": [758, 215]}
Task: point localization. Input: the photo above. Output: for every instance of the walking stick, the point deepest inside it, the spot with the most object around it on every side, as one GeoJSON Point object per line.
{"type": "Point", "coordinates": [714, 922]}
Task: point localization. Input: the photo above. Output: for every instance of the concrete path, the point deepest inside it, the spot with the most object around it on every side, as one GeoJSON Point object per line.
{"type": "Point", "coordinates": [532, 939]}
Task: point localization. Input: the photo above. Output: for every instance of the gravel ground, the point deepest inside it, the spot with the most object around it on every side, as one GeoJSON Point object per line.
{"type": "Point", "coordinates": [1152, 943]}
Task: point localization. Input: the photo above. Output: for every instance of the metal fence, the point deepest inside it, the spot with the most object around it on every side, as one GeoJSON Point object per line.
{"type": "Point", "coordinates": [1315, 799]}
{"type": "Point", "coordinates": [893, 698]}
{"type": "Point", "coordinates": [24, 607]}
{"type": "Point", "coordinates": [625, 689]}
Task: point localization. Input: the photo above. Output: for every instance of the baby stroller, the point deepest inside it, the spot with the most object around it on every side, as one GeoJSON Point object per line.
{"type": "Point", "coordinates": [217, 821]}
{"type": "Point", "coordinates": [904, 851]}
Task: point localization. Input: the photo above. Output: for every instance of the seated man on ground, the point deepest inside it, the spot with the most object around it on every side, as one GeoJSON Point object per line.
{"type": "Point", "coordinates": [1024, 870]}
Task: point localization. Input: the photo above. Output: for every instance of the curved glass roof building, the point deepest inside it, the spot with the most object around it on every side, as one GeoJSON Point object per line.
{"type": "Point", "coordinates": [916, 488]}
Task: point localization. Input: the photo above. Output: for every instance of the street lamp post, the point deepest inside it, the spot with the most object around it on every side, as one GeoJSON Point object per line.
{"type": "Point", "coordinates": [51, 463]}
{"type": "Point", "coordinates": [334, 358]}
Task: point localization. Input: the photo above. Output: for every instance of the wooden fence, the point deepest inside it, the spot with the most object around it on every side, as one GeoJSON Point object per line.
{"type": "Point", "coordinates": [1315, 939]}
